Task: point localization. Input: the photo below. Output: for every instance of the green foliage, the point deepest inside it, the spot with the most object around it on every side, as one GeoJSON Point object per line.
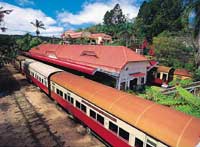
{"type": "Point", "coordinates": [180, 82]}
{"type": "Point", "coordinates": [81, 41]}
{"type": "Point", "coordinates": [193, 102]}
{"type": "Point", "coordinates": [156, 16]}
{"type": "Point", "coordinates": [188, 110]}
{"type": "Point", "coordinates": [196, 75]}
{"type": "Point", "coordinates": [183, 101]}
{"type": "Point", "coordinates": [172, 51]}
{"type": "Point", "coordinates": [189, 97]}
{"type": "Point", "coordinates": [27, 42]}
{"type": "Point", "coordinates": [35, 41]}
{"type": "Point", "coordinates": [8, 46]}
{"type": "Point", "coordinates": [170, 101]}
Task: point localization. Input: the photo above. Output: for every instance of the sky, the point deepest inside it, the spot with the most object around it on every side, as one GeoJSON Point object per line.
{"type": "Point", "coordinates": [60, 15]}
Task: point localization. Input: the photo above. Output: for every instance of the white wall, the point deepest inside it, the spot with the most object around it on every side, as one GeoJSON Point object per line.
{"type": "Point", "coordinates": [133, 67]}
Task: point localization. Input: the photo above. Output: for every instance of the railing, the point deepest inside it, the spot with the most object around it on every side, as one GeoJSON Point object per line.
{"type": "Point", "coordinates": [189, 87]}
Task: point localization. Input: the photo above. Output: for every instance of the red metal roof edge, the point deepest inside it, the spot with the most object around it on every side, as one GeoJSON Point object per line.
{"type": "Point", "coordinates": [74, 66]}
{"type": "Point", "coordinates": [139, 74]}
{"type": "Point", "coordinates": [182, 72]}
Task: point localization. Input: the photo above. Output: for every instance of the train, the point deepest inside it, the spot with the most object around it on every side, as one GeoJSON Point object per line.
{"type": "Point", "coordinates": [119, 118]}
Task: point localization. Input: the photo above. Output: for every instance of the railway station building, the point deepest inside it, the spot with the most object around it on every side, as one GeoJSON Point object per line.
{"type": "Point", "coordinates": [121, 63]}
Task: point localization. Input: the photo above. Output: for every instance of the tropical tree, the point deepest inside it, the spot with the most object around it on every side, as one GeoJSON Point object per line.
{"type": "Point", "coordinates": [170, 50]}
{"type": "Point", "coordinates": [182, 101]}
{"type": "Point", "coordinates": [114, 16]}
{"type": "Point", "coordinates": [39, 25]}
{"type": "Point", "coordinates": [193, 7]}
{"type": "Point", "coordinates": [156, 16]}
{"type": "Point", "coordinates": [27, 42]}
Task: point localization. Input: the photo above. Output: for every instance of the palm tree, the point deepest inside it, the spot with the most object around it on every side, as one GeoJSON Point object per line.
{"type": "Point", "coordinates": [39, 25]}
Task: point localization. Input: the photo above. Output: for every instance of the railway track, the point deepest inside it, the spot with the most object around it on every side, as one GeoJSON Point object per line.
{"type": "Point", "coordinates": [28, 118]}
{"type": "Point", "coordinates": [38, 128]}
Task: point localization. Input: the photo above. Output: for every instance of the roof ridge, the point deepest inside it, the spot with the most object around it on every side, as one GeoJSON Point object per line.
{"type": "Point", "coordinates": [143, 112]}
{"type": "Point", "coordinates": [183, 131]}
{"type": "Point", "coordinates": [125, 55]}
{"type": "Point", "coordinates": [118, 99]}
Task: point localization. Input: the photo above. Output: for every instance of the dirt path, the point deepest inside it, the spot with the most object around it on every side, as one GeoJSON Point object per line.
{"type": "Point", "coordinates": [29, 118]}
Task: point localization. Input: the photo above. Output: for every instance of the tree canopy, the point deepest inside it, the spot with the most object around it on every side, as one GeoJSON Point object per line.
{"type": "Point", "coordinates": [156, 16]}
{"type": "Point", "coordinates": [27, 42]}
{"type": "Point", "coordinates": [114, 16]}
{"type": "Point", "coordinates": [174, 51]}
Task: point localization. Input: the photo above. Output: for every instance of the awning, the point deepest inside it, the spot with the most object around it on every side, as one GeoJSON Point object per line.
{"type": "Point", "coordinates": [74, 66]}
{"type": "Point", "coordinates": [139, 74]}
{"type": "Point", "coordinates": [152, 65]}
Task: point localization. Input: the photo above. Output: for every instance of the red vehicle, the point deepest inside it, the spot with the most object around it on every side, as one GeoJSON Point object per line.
{"type": "Point", "coordinates": [119, 118]}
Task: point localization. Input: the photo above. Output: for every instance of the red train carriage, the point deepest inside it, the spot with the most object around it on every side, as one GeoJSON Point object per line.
{"type": "Point", "coordinates": [119, 118]}
{"type": "Point", "coordinates": [38, 73]}
{"type": "Point", "coordinates": [123, 119]}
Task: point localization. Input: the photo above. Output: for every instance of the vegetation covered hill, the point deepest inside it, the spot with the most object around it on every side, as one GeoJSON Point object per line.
{"type": "Point", "coordinates": [166, 25]}
{"type": "Point", "coordinates": [11, 44]}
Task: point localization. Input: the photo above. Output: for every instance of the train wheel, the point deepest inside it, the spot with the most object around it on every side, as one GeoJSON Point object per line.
{"type": "Point", "coordinates": [88, 130]}
{"type": "Point", "coordinates": [70, 115]}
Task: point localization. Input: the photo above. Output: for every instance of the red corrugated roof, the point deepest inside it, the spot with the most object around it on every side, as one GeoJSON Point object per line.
{"type": "Point", "coordinates": [182, 72]}
{"type": "Point", "coordinates": [109, 58]}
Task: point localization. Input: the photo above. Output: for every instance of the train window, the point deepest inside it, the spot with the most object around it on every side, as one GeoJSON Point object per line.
{"type": "Point", "coordinates": [150, 143]}
{"type": "Point", "coordinates": [72, 100]}
{"type": "Point", "coordinates": [92, 114]}
{"type": "Point", "coordinates": [65, 96]}
{"type": "Point", "coordinates": [164, 77]}
{"type": "Point", "coordinates": [42, 80]}
{"type": "Point", "coordinates": [124, 134]}
{"type": "Point", "coordinates": [83, 108]}
{"type": "Point", "coordinates": [158, 75]}
{"type": "Point", "coordinates": [68, 98]}
{"type": "Point", "coordinates": [57, 91]}
{"type": "Point", "coordinates": [53, 88]}
{"type": "Point", "coordinates": [138, 142]}
{"type": "Point", "coordinates": [78, 105]}
{"type": "Point", "coordinates": [113, 127]}
{"type": "Point", "coordinates": [61, 93]}
{"type": "Point", "coordinates": [100, 119]}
